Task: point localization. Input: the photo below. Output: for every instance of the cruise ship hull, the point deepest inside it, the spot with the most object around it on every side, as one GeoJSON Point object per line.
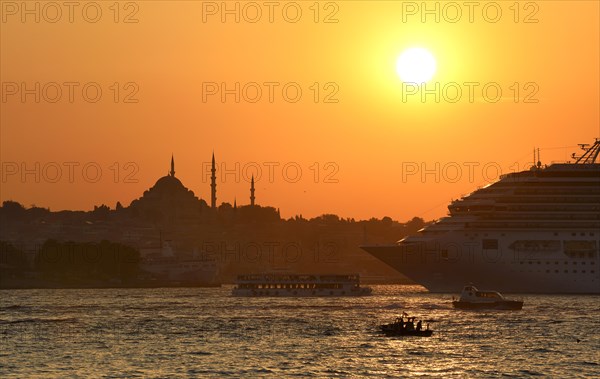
{"type": "Point", "coordinates": [503, 269]}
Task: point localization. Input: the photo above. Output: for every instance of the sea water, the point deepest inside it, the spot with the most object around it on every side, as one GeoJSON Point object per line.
{"type": "Point", "coordinates": [205, 332]}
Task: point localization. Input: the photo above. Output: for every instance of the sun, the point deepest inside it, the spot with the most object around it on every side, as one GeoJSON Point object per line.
{"type": "Point", "coordinates": [416, 65]}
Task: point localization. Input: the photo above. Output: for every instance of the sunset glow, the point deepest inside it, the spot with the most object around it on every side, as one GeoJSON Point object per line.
{"type": "Point", "coordinates": [416, 65]}
{"type": "Point", "coordinates": [299, 189]}
{"type": "Point", "coordinates": [192, 78]}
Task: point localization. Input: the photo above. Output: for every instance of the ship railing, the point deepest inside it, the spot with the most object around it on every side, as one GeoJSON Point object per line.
{"type": "Point", "coordinates": [269, 278]}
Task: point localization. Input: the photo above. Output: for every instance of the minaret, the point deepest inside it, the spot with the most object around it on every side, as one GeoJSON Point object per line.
{"type": "Point", "coordinates": [172, 173]}
{"type": "Point", "coordinates": [213, 184]}
{"type": "Point", "coordinates": [234, 204]}
{"type": "Point", "coordinates": [252, 191]}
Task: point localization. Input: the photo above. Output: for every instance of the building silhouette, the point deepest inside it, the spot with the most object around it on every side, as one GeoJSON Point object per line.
{"type": "Point", "coordinates": [168, 201]}
{"type": "Point", "coordinates": [213, 184]}
{"type": "Point", "coordinates": [252, 192]}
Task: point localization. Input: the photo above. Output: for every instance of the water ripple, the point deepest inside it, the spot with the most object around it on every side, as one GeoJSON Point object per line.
{"type": "Point", "coordinates": [157, 333]}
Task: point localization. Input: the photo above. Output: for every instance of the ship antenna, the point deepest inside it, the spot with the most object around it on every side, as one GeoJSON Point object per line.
{"type": "Point", "coordinates": [591, 153]}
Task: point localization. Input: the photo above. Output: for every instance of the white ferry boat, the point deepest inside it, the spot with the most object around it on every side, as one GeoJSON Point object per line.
{"type": "Point", "coordinates": [472, 298]}
{"type": "Point", "coordinates": [286, 285]}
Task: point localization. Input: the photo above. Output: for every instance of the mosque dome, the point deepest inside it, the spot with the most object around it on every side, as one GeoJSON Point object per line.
{"type": "Point", "coordinates": [169, 198]}
{"type": "Point", "coordinates": [168, 184]}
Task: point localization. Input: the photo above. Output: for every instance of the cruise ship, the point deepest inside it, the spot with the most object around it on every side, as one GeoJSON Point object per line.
{"type": "Point", "coordinates": [535, 231]}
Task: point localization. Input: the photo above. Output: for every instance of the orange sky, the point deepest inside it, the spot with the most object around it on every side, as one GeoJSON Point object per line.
{"type": "Point", "coordinates": [374, 140]}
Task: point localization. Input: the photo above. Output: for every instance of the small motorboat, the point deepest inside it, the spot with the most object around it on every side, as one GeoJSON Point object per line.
{"type": "Point", "coordinates": [472, 298]}
{"type": "Point", "coordinates": [400, 327]}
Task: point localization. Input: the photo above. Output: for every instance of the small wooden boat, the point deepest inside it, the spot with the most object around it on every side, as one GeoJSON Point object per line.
{"type": "Point", "coordinates": [472, 298]}
{"type": "Point", "coordinates": [400, 327]}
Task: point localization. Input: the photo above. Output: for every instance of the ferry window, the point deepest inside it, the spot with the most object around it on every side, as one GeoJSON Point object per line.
{"type": "Point", "coordinates": [566, 271]}
{"type": "Point", "coordinates": [573, 234]}
{"type": "Point", "coordinates": [555, 233]}
{"type": "Point", "coordinates": [583, 271]}
{"type": "Point", "coordinates": [539, 262]}
{"type": "Point", "coordinates": [582, 234]}
{"type": "Point", "coordinates": [582, 263]}
{"type": "Point", "coordinates": [556, 271]}
{"type": "Point", "coordinates": [556, 263]}
{"type": "Point", "coordinates": [547, 271]}
{"type": "Point", "coordinates": [575, 263]}
{"type": "Point", "coordinates": [592, 271]}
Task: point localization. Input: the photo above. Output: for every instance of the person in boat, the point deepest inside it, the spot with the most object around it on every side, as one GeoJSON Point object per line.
{"type": "Point", "coordinates": [419, 326]}
{"type": "Point", "coordinates": [400, 322]}
{"type": "Point", "coordinates": [410, 325]}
